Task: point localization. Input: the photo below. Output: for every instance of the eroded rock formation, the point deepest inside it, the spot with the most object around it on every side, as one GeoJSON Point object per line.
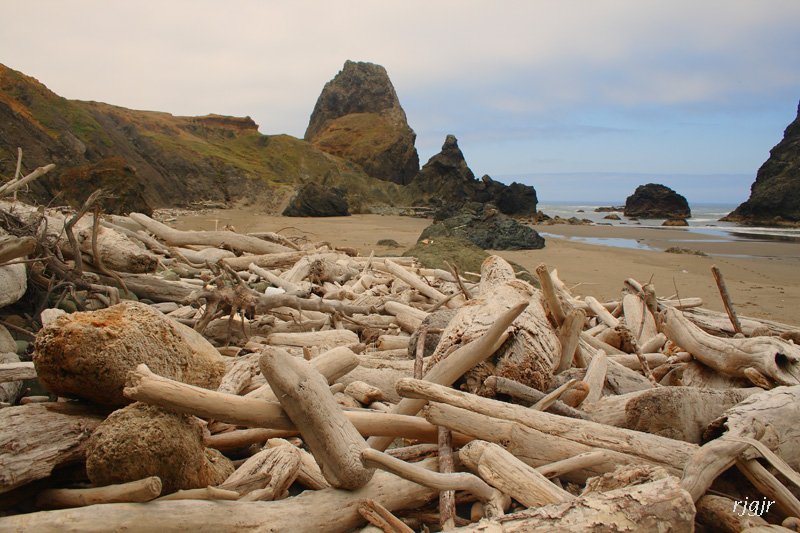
{"type": "Point", "coordinates": [656, 201]}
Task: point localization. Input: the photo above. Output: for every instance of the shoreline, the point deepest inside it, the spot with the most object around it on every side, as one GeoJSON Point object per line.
{"type": "Point", "coordinates": [763, 278]}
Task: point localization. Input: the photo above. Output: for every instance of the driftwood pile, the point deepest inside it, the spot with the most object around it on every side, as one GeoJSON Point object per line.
{"type": "Point", "coordinates": [265, 384]}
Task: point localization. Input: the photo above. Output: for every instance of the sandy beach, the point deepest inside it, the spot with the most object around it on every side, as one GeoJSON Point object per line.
{"type": "Point", "coordinates": [763, 277]}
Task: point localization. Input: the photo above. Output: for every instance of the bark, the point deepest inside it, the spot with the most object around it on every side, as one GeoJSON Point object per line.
{"type": "Point", "coordinates": [37, 438]}
{"type": "Point", "coordinates": [657, 507]}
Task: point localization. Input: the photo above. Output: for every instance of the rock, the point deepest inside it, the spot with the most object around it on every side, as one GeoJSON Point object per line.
{"type": "Point", "coordinates": [775, 194]}
{"type": "Point", "coordinates": [436, 320]}
{"type": "Point", "coordinates": [7, 343]}
{"type": "Point", "coordinates": [113, 174]}
{"type": "Point", "coordinates": [678, 222]}
{"type": "Point", "coordinates": [656, 201]}
{"type": "Point", "coordinates": [13, 283]}
{"type": "Point", "coordinates": [314, 200]}
{"type": "Point", "coordinates": [89, 354]}
{"type": "Point", "coordinates": [391, 243]}
{"type": "Point", "coordinates": [10, 391]}
{"type": "Point", "coordinates": [612, 217]}
{"type": "Point", "coordinates": [457, 251]}
{"type": "Point", "coordinates": [609, 209]}
{"type": "Point", "coordinates": [358, 117]}
{"type": "Point", "coordinates": [141, 440]}
{"type": "Point", "coordinates": [447, 176]}
{"type": "Point", "coordinates": [486, 227]}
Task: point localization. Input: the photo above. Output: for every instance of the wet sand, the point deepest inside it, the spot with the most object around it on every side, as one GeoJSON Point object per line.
{"type": "Point", "coordinates": [763, 278]}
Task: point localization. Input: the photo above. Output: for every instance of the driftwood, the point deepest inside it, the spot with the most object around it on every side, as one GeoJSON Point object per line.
{"type": "Point", "coordinates": [531, 395]}
{"type": "Point", "coordinates": [142, 490]}
{"type": "Point", "coordinates": [17, 371]}
{"type": "Point", "coordinates": [37, 438]}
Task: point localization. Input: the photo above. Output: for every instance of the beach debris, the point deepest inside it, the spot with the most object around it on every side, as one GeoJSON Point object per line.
{"type": "Point", "coordinates": [294, 386]}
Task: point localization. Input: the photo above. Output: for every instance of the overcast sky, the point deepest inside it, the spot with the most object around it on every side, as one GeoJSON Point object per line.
{"type": "Point", "coordinates": [584, 99]}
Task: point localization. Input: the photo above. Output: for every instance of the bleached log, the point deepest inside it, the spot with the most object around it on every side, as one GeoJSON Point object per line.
{"type": "Point", "coordinates": [37, 438]}
{"type": "Point", "coordinates": [309, 473]}
{"type": "Point", "coordinates": [17, 371]}
{"type": "Point", "coordinates": [153, 288]}
{"type": "Point", "coordinates": [333, 364]}
{"type": "Point", "coordinates": [656, 449]}
{"type": "Point", "coordinates": [601, 312]}
{"type": "Point", "coordinates": [508, 474]}
{"type": "Point", "coordinates": [392, 342]}
{"type": "Point", "coordinates": [632, 360]}
{"type": "Point", "coordinates": [239, 375]}
{"type": "Point", "coordinates": [331, 337]}
{"type": "Point", "coordinates": [415, 282]}
{"type": "Point", "coordinates": [322, 511]}
{"type": "Point", "coordinates": [281, 462]}
{"type": "Point", "coordinates": [656, 507]}
{"type": "Point", "coordinates": [117, 252]}
{"type": "Point", "coordinates": [268, 260]}
{"type": "Point", "coordinates": [380, 517]}
{"type": "Point", "coordinates": [205, 493]}
{"type": "Point", "coordinates": [696, 374]}
{"type": "Point", "coordinates": [142, 490]}
{"type": "Point", "coordinates": [717, 323]}
{"type": "Point", "coordinates": [15, 247]}
{"type": "Point", "coordinates": [16, 184]}
{"type": "Point", "coordinates": [638, 319]}
{"type": "Point", "coordinates": [569, 335]}
{"type": "Point", "coordinates": [771, 356]}
{"type": "Point", "coordinates": [531, 395]}
{"type": "Point", "coordinates": [720, 514]}
{"type": "Point", "coordinates": [329, 435]}
{"type": "Point", "coordinates": [769, 486]}
{"type": "Point", "coordinates": [216, 239]}
{"type": "Point", "coordinates": [457, 363]}
{"type": "Point", "coordinates": [595, 377]}
{"type": "Point", "coordinates": [363, 392]}
{"type": "Point", "coordinates": [239, 438]}
{"type": "Point", "coordinates": [550, 296]}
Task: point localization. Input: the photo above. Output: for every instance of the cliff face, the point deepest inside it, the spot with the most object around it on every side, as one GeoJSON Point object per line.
{"type": "Point", "coordinates": [656, 201]}
{"type": "Point", "coordinates": [358, 117]}
{"type": "Point", "coordinates": [775, 195]}
{"type": "Point", "coordinates": [149, 159]}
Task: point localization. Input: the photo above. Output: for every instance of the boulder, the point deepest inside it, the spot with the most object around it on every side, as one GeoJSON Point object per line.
{"type": "Point", "coordinates": [358, 117]}
{"type": "Point", "coordinates": [656, 201]}
{"type": "Point", "coordinates": [447, 181]}
{"type": "Point", "coordinates": [142, 440]}
{"type": "Point", "coordinates": [676, 222]}
{"type": "Point", "coordinates": [88, 355]}
{"type": "Point", "coordinates": [13, 283]}
{"type": "Point", "coordinates": [314, 200]}
{"type": "Point", "coordinates": [487, 228]}
{"type": "Point", "coordinates": [775, 194]}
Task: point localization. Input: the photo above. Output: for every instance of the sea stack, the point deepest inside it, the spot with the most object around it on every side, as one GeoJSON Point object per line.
{"type": "Point", "coordinates": [358, 117]}
{"type": "Point", "coordinates": [656, 201]}
{"type": "Point", "coordinates": [775, 195]}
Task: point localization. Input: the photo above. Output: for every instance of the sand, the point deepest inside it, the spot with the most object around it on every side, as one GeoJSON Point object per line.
{"type": "Point", "coordinates": [763, 278]}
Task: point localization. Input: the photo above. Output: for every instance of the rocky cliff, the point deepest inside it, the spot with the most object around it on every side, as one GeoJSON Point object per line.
{"type": "Point", "coordinates": [358, 117]}
{"type": "Point", "coordinates": [775, 195]}
{"type": "Point", "coordinates": [446, 181]}
{"type": "Point", "coordinates": [656, 201]}
{"type": "Point", "coordinates": [150, 159]}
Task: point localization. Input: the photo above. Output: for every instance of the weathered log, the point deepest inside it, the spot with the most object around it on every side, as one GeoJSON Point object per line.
{"type": "Point", "coordinates": [281, 462]}
{"type": "Point", "coordinates": [331, 337]}
{"type": "Point", "coordinates": [381, 517]}
{"type": "Point", "coordinates": [323, 511]}
{"type": "Point", "coordinates": [15, 247]}
{"type": "Point", "coordinates": [771, 356]}
{"type": "Point", "coordinates": [726, 298]}
{"type": "Point", "coordinates": [17, 371]}
{"type": "Point", "coordinates": [595, 377]}
{"type": "Point", "coordinates": [569, 336]}
{"type": "Point", "coordinates": [217, 239]}
{"type": "Point", "coordinates": [152, 288]}
{"type": "Point", "coordinates": [142, 490]}
{"type": "Point", "coordinates": [37, 438]}
{"type": "Point", "coordinates": [397, 308]}
{"type": "Point", "coordinates": [309, 473]}
{"type": "Point", "coordinates": [115, 250]}
{"type": "Point", "coordinates": [205, 493]}
{"type": "Point", "coordinates": [532, 350]}
{"type": "Point", "coordinates": [770, 486]}
{"type": "Point", "coordinates": [681, 413]}
{"type": "Point", "coordinates": [392, 342]}
{"type": "Point", "coordinates": [529, 394]}
{"type": "Point", "coordinates": [415, 282]}
{"type": "Point", "coordinates": [457, 363]}
{"type": "Point", "coordinates": [549, 294]}
{"type": "Point", "coordinates": [13, 283]}
{"type": "Point", "coordinates": [329, 435]}
{"type": "Point", "coordinates": [268, 260]}
{"type": "Point", "coordinates": [505, 472]}
{"type": "Point", "coordinates": [364, 392]}
{"type": "Point", "coordinates": [651, 447]}
{"type": "Point", "coordinates": [656, 507]}
{"type": "Point", "coordinates": [638, 319]}
{"type": "Point", "coordinates": [719, 513]}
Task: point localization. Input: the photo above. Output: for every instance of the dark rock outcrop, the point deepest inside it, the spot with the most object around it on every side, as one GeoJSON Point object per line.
{"type": "Point", "coordinates": [775, 195]}
{"type": "Point", "coordinates": [314, 200]}
{"type": "Point", "coordinates": [656, 201]}
{"type": "Point", "coordinates": [446, 175]}
{"type": "Point", "coordinates": [487, 228]}
{"type": "Point", "coordinates": [358, 117]}
{"type": "Point", "coordinates": [675, 222]}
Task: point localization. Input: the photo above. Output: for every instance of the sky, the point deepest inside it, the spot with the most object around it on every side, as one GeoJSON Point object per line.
{"type": "Point", "coordinates": [583, 99]}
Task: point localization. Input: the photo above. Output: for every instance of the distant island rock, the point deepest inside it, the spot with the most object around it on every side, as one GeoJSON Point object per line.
{"type": "Point", "coordinates": [448, 182]}
{"type": "Point", "coordinates": [314, 200]}
{"type": "Point", "coordinates": [656, 201]}
{"type": "Point", "coordinates": [358, 117]}
{"type": "Point", "coordinates": [775, 195]}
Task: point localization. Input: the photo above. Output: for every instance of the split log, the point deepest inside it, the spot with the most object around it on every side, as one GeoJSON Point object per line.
{"type": "Point", "coordinates": [329, 435]}
{"type": "Point", "coordinates": [656, 507]}
{"type": "Point", "coordinates": [142, 490]}
{"type": "Point", "coordinates": [381, 517]}
{"type": "Point", "coordinates": [457, 363]}
{"type": "Point", "coordinates": [280, 463]}
{"type": "Point", "coordinates": [549, 294]}
{"type": "Point", "coordinates": [322, 511]}
{"type": "Point", "coordinates": [532, 350]}
{"type": "Point", "coordinates": [770, 486]}
{"type": "Point", "coordinates": [37, 438]}
{"type": "Point", "coordinates": [638, 319]}
{"type": "Point", "coordinates": [216, 239]}
{"type": "Point", "coordinates": [656, 449]}
{"type": "Point", "coordinates": [771, 356]}
{"type": "Point", "coordinates": [505, 472]}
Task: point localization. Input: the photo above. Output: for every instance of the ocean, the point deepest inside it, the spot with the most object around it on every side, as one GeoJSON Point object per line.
{"type": "Point", "coordinates": [705, 220]}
